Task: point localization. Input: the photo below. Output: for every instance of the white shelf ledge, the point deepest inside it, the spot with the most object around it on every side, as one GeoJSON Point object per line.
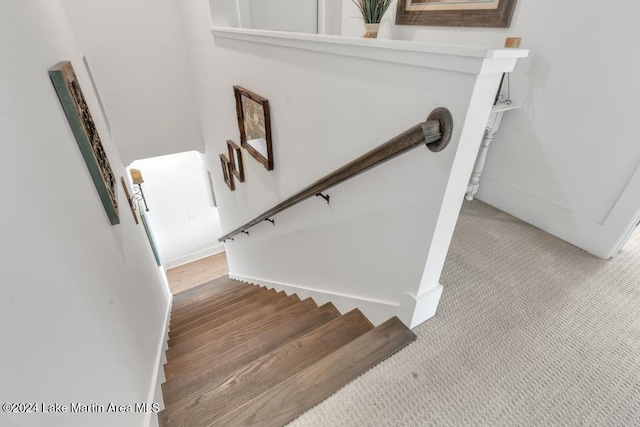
{"type": "Point", "coordinates": [467, 59]}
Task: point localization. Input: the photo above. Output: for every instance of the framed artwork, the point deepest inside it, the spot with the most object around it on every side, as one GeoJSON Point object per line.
{"type": "Point", "coordinates": [86, 135]}
{"type": "Point", "coordinates": [456, 13]}
{"type": "Point", "coordinates": [225, 163]}
{"type": "Point", "coordinates": [255, 125]}
{"type": "Point", "coordinates": [129, 199]}
{"type": "Point", "coordinates": [235, 157]}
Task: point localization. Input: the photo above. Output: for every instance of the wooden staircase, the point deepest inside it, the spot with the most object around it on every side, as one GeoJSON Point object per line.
{"type": "Point", "coordinates": [243, 355]}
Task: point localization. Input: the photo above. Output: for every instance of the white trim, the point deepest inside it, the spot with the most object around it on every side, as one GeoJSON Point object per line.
{"type": "Point", "coordinates": [623, 218]}
{"type": "Point", "coordinates": [575, 229]}
{"type": "Point", "coordinates": [603, 240]}
{"type": "Point", "coordinates": [467, 59]}
{"type": "Point", "coordinates": [186, 259]}
{"type": "Point", "coordinates": [377, 311]}
{"type": "Point", "coordinates": [321, 13]}
{"type": "Point", "coordinates": [621, 241]}
{"type": "Point", "coordinates": [155, 391]}
{"type": "Point", "coordinates": [416, 310]}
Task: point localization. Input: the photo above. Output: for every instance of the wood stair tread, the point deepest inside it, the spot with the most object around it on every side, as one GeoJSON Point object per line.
{"type": "Point", "coordinates": [181, 317]}
{"type": "Point", "coordinates": [188, 364]}
{"type": "Point", "coordinates": [245, 355]}
{"type": "Point", "coordinates": [232, 293]}
{"type": "Point", "coordinates": [305, 389]}
{"type": "Point", "coordinates": [227, 393]}
{"type": "Point", "coordinates": [205, 291]}
{"type": "Point", "coordinates": [210, 335]}
{"type": "Point", "coordinates": [225, 315]}
{"type": "Point", "coordinates": [225, 362]}
{"type": "Point", "coordinates": [215, 311]}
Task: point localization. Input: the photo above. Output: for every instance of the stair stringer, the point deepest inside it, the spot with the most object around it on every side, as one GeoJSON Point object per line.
{"type": "Point", "coordinates": [377, 311]}
{"type": "Point", "coordinates": [155, 392]}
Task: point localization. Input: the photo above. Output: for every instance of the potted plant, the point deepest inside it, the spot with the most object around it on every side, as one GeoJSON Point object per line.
{"type": "Point", "coordinates": [372, 12]}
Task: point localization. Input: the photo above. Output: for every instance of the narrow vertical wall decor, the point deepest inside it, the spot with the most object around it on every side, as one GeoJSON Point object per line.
{"type": "Point", "coordinates": [129, 199]}
{"type": "Point", "coordinates": [84, 130]}
{"type": "Point", "coordinates": [235, 157]}
{"type": "Point", "coordinates": [225, 164]}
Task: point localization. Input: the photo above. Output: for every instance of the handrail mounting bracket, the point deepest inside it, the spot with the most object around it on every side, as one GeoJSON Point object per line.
{"type": "Point", "coordinates": [443, 116]}
{"type": "Point", "coordinates": [324, 196]}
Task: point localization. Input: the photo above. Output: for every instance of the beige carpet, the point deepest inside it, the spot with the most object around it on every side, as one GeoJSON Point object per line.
{"type": "Point", "coordinates": [530, 331]}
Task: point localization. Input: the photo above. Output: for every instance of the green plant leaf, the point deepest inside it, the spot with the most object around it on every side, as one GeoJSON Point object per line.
{"type": "Point", "coordinates": [372, 10]}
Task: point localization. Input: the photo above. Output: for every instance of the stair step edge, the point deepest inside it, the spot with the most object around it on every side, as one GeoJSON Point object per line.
{"type": "Point", "coordinates": [313, 384]}
{"type": "Point", "coordinates": [235, 310]}
{"type": "Point", "coordinates": [231, 328]}
{"type": "Point", "coordinates": [191, 381]}
{"type": "Point", "coordinates": [284, 361]}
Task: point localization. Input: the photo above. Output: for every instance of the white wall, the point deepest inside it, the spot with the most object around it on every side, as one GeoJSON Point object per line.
{"type": "Point", "coordinates": [137, 54]}
{"type": "Point", "coordinates": [185, 222]}
{"type": "Point", "coordinates": [568, 161]}
{"type": "Point", "coordinates": [370, 244]}
{"type": "Point", "coordinates": [280, 15]}
{"type": "Point", "coordinates": [308, 16]}
{"type": "Point", "coordinates": [82, 302]}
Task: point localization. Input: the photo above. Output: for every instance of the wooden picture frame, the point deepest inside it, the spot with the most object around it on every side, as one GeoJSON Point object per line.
{"type": "Point", "coordinates": [225, 163]}
{"type": "Point", "coordinates": [456, 13]}
{"type": "Point", "coordinates": [86, 135]}
{"type": "Point", "coordinates": [235, 158]}
{"type": "Point", "coordinates": [129, 199]}
{"type": "Point", "coordinates": [254, 123]}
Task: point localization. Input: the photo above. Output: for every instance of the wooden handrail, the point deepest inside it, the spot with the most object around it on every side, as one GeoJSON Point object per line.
{"type": "Point", "coordinates": [435, 132]}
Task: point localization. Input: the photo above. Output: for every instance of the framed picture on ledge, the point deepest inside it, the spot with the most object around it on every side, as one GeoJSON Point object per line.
{"type": "Point", "coordinates": [456, 13]}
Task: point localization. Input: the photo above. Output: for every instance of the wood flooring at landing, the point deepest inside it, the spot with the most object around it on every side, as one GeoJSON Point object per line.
{"type": "Point", "coordinates": [196, 273]}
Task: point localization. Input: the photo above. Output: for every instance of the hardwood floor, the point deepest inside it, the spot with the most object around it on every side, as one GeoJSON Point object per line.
{"type": "Point", "coordinates": [196, 273]}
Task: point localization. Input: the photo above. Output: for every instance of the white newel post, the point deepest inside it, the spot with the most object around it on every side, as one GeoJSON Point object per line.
{"type": "Point", "coordinates": [415, 308]}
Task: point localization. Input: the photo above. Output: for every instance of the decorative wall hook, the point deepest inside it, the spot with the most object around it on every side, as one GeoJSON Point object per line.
{"type": "Point", "coordinates": [245, 232]}
{"type": "Point", "coordinates": [270, 220]}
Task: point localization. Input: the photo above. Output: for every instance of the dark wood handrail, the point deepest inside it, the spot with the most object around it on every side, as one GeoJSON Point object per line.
{"type": "Point", "coordinates": [435, 132]}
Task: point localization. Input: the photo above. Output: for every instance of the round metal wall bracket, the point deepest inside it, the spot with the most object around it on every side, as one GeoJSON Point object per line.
{"type": "Point", "coordinates": [443, 116]}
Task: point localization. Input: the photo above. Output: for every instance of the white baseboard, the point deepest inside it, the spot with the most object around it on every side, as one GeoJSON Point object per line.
{"type": "Point", "coordinates": [568, 226]}
{"type": "Point", "coordinates": [377, 311]}
{"type": "Point", "coordinates": [155, 390]}
{"type": "Point", "coordinates": [176, 262]}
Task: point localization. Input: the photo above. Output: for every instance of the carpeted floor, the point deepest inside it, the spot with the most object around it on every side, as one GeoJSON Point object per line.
{"type": "Point", "coordinates": [530, 331]}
